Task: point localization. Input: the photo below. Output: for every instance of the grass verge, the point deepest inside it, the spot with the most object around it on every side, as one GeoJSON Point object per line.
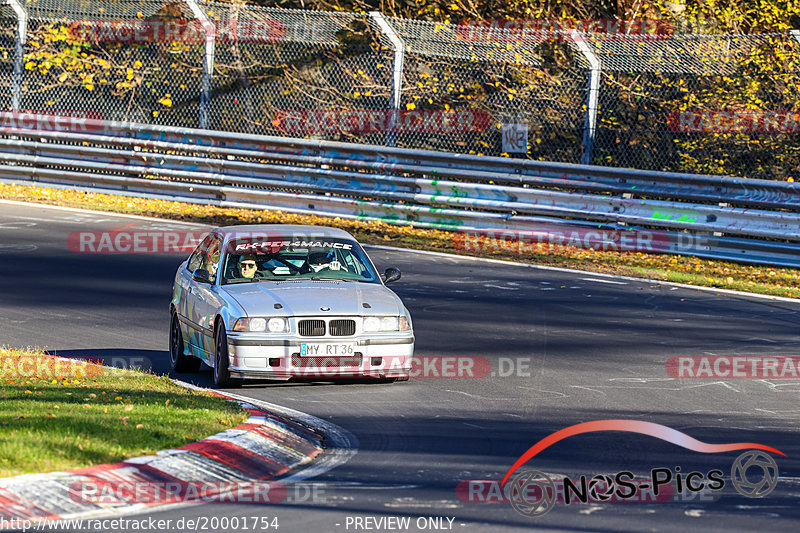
{"type": "Point", "coordinates": [60, 416]}
{"type": "Point", "coordinates": [682, 269]}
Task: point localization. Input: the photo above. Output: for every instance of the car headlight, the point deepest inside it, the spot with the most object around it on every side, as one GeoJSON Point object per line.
{"type": "Point", "coordinates": [386, 323]}
{"type": "Point", "coordinates": [389, 323]}
{"type": "Point", "coordinates": [372, 323]}
{"type": "Point", "coordinates": [271, 325]}
{"type": "Point", "coordinates": [278, 325]}
{"type": "Point", "coordinates": [257, 324]}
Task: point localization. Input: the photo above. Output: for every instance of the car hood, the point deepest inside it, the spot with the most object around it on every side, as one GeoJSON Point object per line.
{"type": "Point", "coordinates": [306, 297]}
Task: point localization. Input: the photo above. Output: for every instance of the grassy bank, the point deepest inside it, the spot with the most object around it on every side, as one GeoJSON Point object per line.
{"type": "Point", "coordinates": [683, 269]}
{"type": "Point", "coordinates": [57, 416]}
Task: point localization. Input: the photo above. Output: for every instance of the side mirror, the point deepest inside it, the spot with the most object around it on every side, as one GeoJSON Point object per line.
{"type": "Point", "coordinates": [201, 275]}
{"type": "Point", "coordinates": [390, 275]}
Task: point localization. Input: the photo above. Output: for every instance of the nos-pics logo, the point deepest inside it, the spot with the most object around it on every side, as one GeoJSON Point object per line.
{"type": "Point", "coordinates": [754, 473]}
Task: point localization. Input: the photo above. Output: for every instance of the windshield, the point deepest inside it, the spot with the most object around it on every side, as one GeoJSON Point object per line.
{"type": "Point", "coordinates": [322, 258]}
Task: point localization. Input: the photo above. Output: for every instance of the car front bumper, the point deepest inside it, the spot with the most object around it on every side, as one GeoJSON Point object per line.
{"type": "Point", "coordinates": [379, 356]}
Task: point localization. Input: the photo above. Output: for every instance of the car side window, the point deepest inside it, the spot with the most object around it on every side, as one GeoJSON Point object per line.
{"type": "Point", "coordinates": [199, 258]}
{"type": "Point", "coordinates": [211, 257]}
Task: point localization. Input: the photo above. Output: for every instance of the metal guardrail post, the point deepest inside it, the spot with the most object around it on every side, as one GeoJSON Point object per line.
{"type": "Point", "coordinates": [590, 122]}
{"type": "Point", "coordinates": [208, 62]}
{"type": "Point", "coordinates": [19, 53]}
{"type": "Point", "coordinates": [397, 73]}
{"type": "Point", "coordinates": [796, 35]}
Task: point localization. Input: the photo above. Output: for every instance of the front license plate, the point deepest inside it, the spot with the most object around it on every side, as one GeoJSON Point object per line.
{"type": "Point", "coordinates": [326, 350]}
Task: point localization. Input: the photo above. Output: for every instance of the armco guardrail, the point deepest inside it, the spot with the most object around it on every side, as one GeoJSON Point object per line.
{"type": "Point", "coordinates": [708, 216]}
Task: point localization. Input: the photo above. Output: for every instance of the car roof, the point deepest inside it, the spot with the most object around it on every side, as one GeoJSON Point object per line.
{"type": "Point", "coordinates": [289, 230]}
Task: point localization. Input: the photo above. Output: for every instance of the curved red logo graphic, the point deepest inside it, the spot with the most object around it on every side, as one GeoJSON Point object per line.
{"type": "Point", "coordinates": [634, 426]}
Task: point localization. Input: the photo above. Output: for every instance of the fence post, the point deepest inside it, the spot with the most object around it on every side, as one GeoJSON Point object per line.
{"type": "Point", "coordinates": [19, 53]}
{"type": "Point", "coordinates": [796, 35]}
{"type": "Point", "coordinates": [208, 62]}
{"type": "Point", "coordinates": [397, 73]}
{"type": "Point", "coordinates": [590, 121]}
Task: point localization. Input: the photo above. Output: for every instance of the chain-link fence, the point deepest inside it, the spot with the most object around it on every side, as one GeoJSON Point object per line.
{"type": "Point", "coordinates": [298, 73]}
{"type": "Point", "coordinates": [8, 42]}
{"type": "Point", "coordinates": [700, 104]}
{"type": "Point", "coordinates": [112, 61]}
{"type": "Point", "coordinates": [691, 103]}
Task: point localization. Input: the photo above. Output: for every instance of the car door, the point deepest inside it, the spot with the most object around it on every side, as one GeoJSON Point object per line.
{"type": "Point", "coordinates": [200, 298]}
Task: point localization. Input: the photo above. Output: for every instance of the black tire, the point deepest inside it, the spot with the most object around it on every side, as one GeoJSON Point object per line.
{"type": "Point", "coordinates": [179, 361]}
{"type": "Point", "coordinates": [222, 376]}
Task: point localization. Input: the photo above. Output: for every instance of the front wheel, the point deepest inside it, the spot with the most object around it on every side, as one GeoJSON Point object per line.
{"type": "Point", "coordinates": [179, 361]}
{"type": "Point", "coordinates": [222, 375]}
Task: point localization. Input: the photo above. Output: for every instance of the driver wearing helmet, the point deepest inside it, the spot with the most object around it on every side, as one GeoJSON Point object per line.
{"type": "Point", "coordinates": [318, 261]}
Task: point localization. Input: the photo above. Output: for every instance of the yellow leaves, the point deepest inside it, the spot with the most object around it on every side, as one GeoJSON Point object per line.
{"type": "Point", "coordinates": [137, 64]}
{"type": "Point", "coordinates": [165, 100]}
{"type": "Point", "coordinates": [411, 106]}
{"type": "Point", "coordinates": [129, 74]}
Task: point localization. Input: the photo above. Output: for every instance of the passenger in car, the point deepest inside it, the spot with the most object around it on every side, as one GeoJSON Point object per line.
{"type": "Point", "coordinates": [319, 261]}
